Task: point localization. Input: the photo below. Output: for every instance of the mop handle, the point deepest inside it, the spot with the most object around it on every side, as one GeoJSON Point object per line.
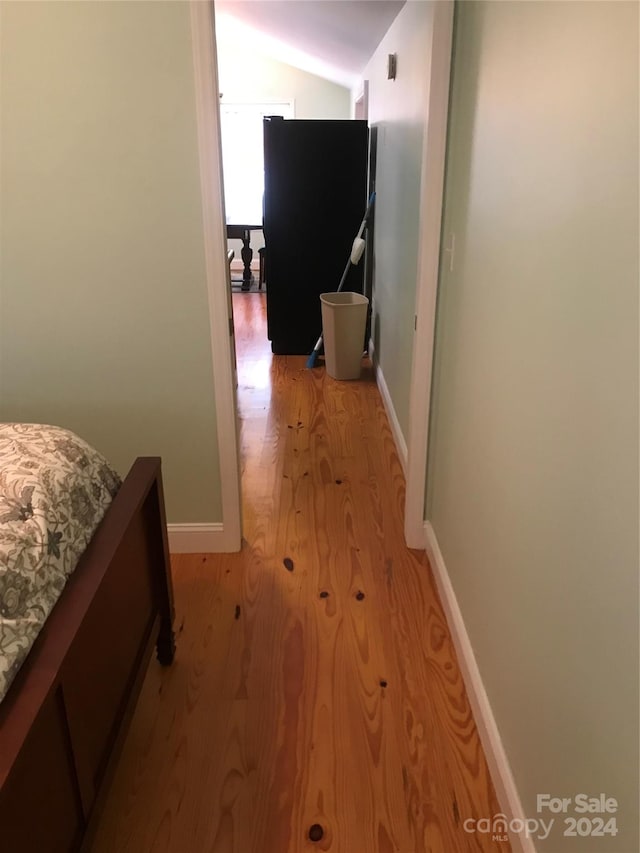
{"type": "Point", "coordinates": [314, 352]}
{"type": "Point", "coordinates": [318, 343]}
{"type": "Point", "coordinates": [367, 214]}
{"type": "Point", "coordinates": [363, 225]}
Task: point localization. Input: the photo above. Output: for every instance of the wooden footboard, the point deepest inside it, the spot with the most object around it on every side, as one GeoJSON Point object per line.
{"type": "Point", "coordinates": [68, 709]}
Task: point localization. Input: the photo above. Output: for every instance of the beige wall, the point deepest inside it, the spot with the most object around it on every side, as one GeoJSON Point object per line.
{"type": "Point", "coordinates": [533, 472]}
{"type": "Point", "coordinates": [254, 76]}
{"type": "Point", "coordinates": [104, 304]}
{"type": "Point", "coordinates": [397, 114]}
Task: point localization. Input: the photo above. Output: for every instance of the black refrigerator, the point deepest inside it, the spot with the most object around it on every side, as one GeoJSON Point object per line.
{"type": "Point", "coordinates": [315, 195]}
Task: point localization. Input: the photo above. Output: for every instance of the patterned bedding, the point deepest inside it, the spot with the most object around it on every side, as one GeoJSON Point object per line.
{"type": "Point", "coordinates": [54, 491]}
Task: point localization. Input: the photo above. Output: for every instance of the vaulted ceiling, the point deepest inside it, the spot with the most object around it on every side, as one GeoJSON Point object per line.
{"type": "Point", "coordinates": [331, 38]}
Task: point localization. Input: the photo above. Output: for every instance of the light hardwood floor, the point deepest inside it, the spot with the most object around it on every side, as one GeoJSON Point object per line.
{"type": "Point", "coordinates": [315, 681]}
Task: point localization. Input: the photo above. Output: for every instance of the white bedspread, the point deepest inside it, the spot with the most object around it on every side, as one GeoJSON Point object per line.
{"type": "Point", "coordinates": [54, 490]}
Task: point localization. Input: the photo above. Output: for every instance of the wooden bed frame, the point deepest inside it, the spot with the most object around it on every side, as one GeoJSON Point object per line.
{"type": "Point", "coordinates": [67, 711]}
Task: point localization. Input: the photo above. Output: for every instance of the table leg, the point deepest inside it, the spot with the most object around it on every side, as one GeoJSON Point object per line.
{"type": "Point", "coordinates": [247, 255]}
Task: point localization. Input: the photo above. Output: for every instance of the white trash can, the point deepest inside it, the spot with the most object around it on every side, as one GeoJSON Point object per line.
{"type": "Point", "coordinates": [344, 319]}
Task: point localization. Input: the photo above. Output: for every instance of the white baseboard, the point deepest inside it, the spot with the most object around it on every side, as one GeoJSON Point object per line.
{"type": "Point", "coordinates": [497, 760]}
{"type": "Point", "coordinates": [199, 539]}
{"type": "Point", "coordinates": [238, 266]}
{"type": "Point", "coordinates": [398, 437]}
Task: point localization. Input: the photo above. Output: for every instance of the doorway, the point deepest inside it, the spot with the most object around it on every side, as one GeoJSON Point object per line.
{"type": "Point", "coordinates": [242, 106]}
{"type": "Point", "coordinates": [220, 302]}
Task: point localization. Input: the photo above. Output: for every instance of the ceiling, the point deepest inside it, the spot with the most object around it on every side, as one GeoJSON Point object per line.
{"type": "Point", "coordinates": [331, 38]}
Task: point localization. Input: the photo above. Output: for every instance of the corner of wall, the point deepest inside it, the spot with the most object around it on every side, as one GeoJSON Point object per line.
{"type": "Point", "coordinates": [394, 423]}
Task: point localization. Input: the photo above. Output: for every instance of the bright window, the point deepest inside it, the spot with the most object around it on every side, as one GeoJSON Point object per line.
{"type": "Point", "coordinates": [243, 157]}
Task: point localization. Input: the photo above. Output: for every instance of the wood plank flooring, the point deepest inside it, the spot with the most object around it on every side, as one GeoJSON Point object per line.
{"type": "Point", "coordinates": [315, 682]}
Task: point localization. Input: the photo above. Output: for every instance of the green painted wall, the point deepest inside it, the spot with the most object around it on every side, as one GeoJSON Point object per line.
{"type": "Point", "coordinates": [533, 469]}
{"type": "Point", "coordinates": [255, 76]}
{"type": "Point", "coordinates": [104, 306]}
{"type": "Point", "coordinates": [397, 112]}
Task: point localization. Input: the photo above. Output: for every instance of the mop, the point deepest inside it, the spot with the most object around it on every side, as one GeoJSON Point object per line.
{"type": "Point", "coordinates": [357, 251]}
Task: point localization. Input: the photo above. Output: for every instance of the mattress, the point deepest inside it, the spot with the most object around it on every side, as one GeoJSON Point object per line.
{"type": "Point", "coordinates": [54, 491]}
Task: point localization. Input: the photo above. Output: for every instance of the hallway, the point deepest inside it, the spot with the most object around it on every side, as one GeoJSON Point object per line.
{"type": "Point", "coordinates": [315, 702]}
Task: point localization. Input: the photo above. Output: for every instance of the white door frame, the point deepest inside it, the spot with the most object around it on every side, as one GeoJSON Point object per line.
{"type": "Point", "coordinates": [361, 101]}
{"type": "Point", "coordinates": [431, 202]}
{"type": "Point", "coordinates": [217, 271]}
